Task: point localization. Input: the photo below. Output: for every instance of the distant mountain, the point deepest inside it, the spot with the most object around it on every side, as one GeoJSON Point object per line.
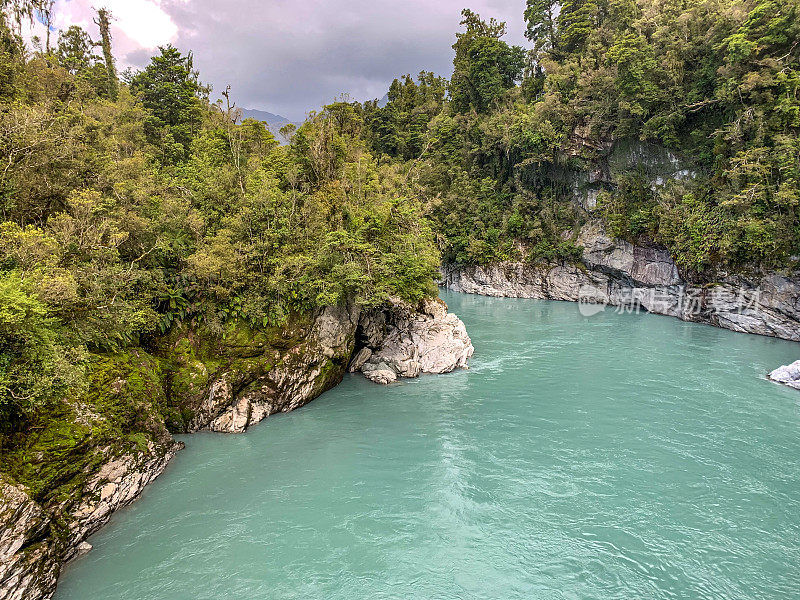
{"type": "Point", "coordinates": [268, 117]}
{"type": "Point", "coordinates": [274, 122]}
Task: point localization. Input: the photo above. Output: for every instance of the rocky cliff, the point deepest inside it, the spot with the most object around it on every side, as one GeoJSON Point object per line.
{"type": "Point", "coordinates": [406, 341]}
{"type": "Point", "coordinates": [616, 273]}
{"type": "Point", "coordinates": [36, 538]}
{"type": "Point", "coordinates": [90, 462]}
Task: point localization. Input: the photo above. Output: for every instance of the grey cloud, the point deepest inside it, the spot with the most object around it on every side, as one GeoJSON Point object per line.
{"type": "Point", "coordinates": [290, 57]}
{"type": "Point", "coordinates": [138, 58]}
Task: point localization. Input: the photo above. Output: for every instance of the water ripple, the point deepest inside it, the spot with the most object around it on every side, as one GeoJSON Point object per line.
{"type": "Point", "coordinates": [627, 457]}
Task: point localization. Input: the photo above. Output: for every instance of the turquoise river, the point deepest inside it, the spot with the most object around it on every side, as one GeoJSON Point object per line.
{"type": "Point", "coordinates": [619, 456]}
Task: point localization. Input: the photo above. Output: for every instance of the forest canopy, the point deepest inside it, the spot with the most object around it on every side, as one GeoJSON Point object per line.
{"type": "Point", "coordinates": [133, 204]}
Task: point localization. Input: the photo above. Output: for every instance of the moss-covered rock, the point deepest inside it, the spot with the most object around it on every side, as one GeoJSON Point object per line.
{"type": "Point", "coordinates": [85, 457]}
{"type": "Point", "coordinates": [226, 381]}
{"type": "Point", "coordinates": [120, 411]}
{"type": "Point", "coordinates": [61, 469]}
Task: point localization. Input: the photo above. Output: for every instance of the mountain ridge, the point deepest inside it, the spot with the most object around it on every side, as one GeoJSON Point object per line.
{"type": "Point", "coordinates": [274, 122]}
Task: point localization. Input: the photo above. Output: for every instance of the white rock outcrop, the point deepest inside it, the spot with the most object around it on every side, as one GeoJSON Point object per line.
{"type": "Point", "coordinates": [788, 375]}
{"type": "Point", "coordinates": [403, 341]}
{"type": "Point", "coordinates": [268, 381]}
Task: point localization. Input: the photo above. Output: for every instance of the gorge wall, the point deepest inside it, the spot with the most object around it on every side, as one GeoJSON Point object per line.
{"type": "Point", "coordinates": [617, 273]}
{"type": "Point", "coordinates": [614, 272]}
{"type": "Point", "coordinates": [191, 381]}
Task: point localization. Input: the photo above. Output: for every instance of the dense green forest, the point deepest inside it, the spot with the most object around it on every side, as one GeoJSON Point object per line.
{"type": "Point", "coordinates": [135, 203]}
{"type": "Point", "coordinates": [131, 206]}
{"type": "Point", "coordinates": [716, 82]}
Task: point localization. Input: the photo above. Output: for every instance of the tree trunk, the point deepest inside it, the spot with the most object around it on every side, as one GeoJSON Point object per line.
{"type": "Point", "coordinates": [103, 21]}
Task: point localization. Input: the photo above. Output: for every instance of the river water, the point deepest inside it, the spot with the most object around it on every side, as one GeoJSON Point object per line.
{"type": "Point", "coordinates": [620, 456]}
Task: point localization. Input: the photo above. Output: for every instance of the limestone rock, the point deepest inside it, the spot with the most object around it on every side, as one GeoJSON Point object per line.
{"type": "Point", "coordinates": [403, 341]}
{"type": "Point", "coordinates": [29, 560]}
{"type": "Point", "coordinates": [379, 373]}
{"type": "Point", "coordinates": [267, 381]}
{"type": "Point", "coordinates": [359, 360]}
{"type": "Point", "coordinates": [27, 569]}
{"type": "Point", "coordinates": [620, 274]}
{"type": "Point", "coordinates": [788, 375]}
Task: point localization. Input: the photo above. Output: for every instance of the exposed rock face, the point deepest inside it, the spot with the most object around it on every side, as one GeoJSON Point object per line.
{"type": "Point", "coordinates": [404, 342]}
{"type": "Point", "coordinates": [31, 552]}
{"type": "Point", "coordinates": [28, 567]}
{"type": "Point", "coordinates": [250, 376]}
{"type": "Point", "coordinates": [118, 483]}
{"type": "Point", "coordinates": [613, 157]}
{"type": "Point", "coordinates": [788, 375]}
{"type": "Point", "coordinates": [269, 380]}
{"type": "Point", "coordinates": [617, 273]}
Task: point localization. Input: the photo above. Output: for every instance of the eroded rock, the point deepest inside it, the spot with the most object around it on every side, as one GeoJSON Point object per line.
{"type": "Point", "coordinates": [620, 274]}
{"type": "Point", "coordinates": [30, 559]}
{"type": "Point", "coordinates": [27, 569]}
{"type": "Point", "coordinates": [788, 375]}
{"type": "Point", "coordinates": [269, 380]}
{"type": "Point", "coordinates": [403, 341]}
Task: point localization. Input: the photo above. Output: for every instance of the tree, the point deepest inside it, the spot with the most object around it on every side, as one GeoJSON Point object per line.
{"type": "Point", "coordinates": [636, 65]}
{"type": "Point", "coordinates": [11, 60]}
{"type": "Point", "coordinates": [484, 66]}
{"type": "Point", "coordinates": [541, 23]}
{"type": "Point", "coordinates": [21, 10]}
{"type": "Point", "coordinates": [74, 50]}
{"type": "Point", "coordinates": [170, 91]}
{"type": "Point", "coordinates": [103, 21]}
{"type": "Point", "coordinates": [577, 19]}
{"type": "Point", "coordinates": [287, 131]}
{"type": "Point", "coordinates": [34, 367]}
{"type": "Point", "coordinates": [47, 19]}
{"type": "Point", "coordinates": [400, 127]}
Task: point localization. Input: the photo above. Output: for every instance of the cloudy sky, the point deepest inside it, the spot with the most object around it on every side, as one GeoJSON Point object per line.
{"type": "Point", "coordinates": [292, 56]}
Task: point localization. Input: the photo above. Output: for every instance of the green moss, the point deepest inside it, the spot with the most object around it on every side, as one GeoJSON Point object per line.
{"type": "Point", "coordinates": [330, 375]}
{"type": "Point", "coordinates": [120, 413]}
{"type": "Point", "coordinates": [139, 440]}
{"type": "Point", "coordinates": [241, 339]}
{"type": "Point", "coordinates": [185, 378]}
{"type": "Point", "coordinates": [126, 391]}
{"type": "Point", "coordinates": [135, 397]}
{"type": "Point", "coordinates": [55, 457]}
{"type": "Point", "coordinates": [191, 358]}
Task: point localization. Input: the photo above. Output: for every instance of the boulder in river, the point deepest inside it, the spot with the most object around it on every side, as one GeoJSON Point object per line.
{"type": "Point", "coordinates": [788, 375]}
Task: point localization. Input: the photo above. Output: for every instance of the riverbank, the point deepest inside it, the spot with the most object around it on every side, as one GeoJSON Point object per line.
{"type": "Point", "coordinates": [616, 273]}
{"type": "Point", "coordinates": [98, 453]}
{"type": "Point", "coordinates": [624, 456]}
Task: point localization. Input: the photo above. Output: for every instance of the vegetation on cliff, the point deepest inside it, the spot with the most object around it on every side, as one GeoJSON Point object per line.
{"type": "Point", "coordinates": [132, 207]}
{"type": "Point", "coordinates": [717, 82]}
{"type": "Point", "coordinates": [135, 210]}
